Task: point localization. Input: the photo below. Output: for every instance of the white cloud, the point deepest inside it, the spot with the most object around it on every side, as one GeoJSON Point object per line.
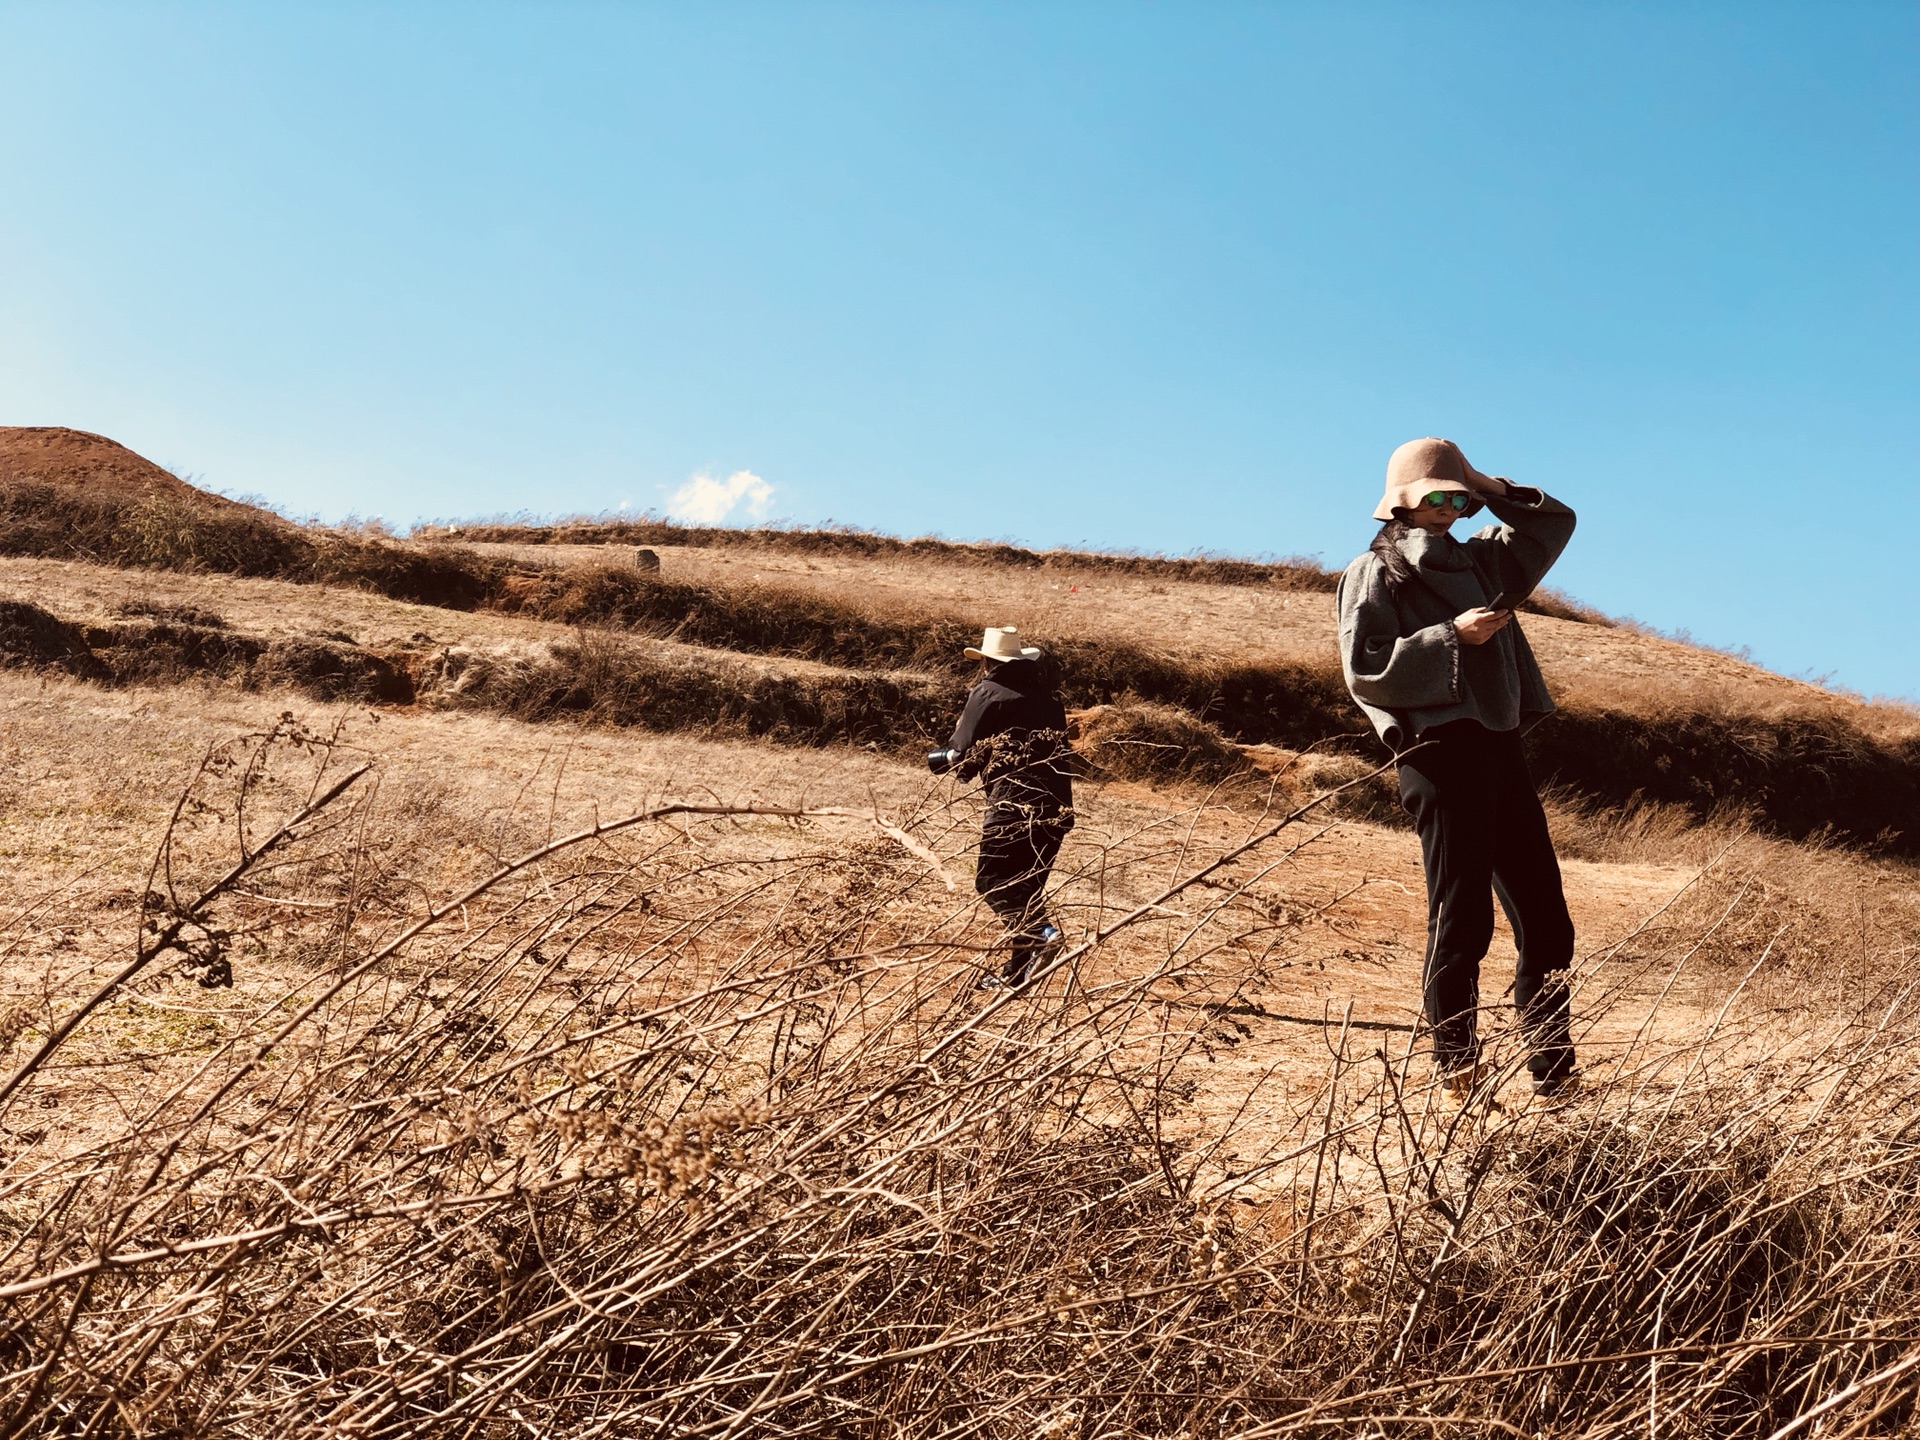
{"type": "Point", "coordinates": [707, 501]}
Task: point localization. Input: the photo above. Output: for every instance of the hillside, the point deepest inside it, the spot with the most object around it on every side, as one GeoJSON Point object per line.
{"type": "Point", "coordinates": [596, 1049]}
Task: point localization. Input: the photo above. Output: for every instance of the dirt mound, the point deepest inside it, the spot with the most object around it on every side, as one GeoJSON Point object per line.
{"type": "Point", "coordinates": [78, 459]}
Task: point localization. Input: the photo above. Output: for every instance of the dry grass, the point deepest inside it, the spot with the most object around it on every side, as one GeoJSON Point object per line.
{"type": "Point", "coordinates": [760, 543]}
{"type": "Point", "coordinates": [1804, 771]}
{"type": "Point", "coordinates": [613, 681]}
{"type": "Point", "coordinates": [694, 1125]}
{"type": "Point", "coordinates": [1136, 740]}
{"type": "Point", "coordinates": [168, 650]}
{"type": "Point", "coordinates": [1829, 923]}
{"type": "Point", "coordinates": [166, 532]}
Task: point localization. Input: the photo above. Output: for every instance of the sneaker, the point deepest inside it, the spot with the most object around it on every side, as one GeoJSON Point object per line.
{"type": "Point", "coordinates": [991, 982]}
{"type": "Point", "coordinates": [1048, 943]}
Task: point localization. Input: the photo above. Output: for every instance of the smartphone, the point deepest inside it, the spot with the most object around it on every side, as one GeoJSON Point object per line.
{"type": "Point", "coordinates": [1508, 600]}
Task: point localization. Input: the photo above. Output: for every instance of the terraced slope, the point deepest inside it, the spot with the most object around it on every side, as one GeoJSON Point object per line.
{"type": "Point", "coordinates": [1214, 620]}
{"type": "Point", "coordinates": [1642, 718]}
{"type": "Point", "coordinates": [835, 638]}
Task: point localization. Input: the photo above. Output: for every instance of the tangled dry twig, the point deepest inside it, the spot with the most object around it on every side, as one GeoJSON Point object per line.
{"type": "Point", "coordinates": [674, 1124]}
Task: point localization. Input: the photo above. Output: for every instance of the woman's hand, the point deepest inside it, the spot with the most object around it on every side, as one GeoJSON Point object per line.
{"type": "Point", "coordinates": [1478, 481]}
{"type": "Point", "coordinates": [1493, 485]}
{"type": "Point", "coordinates": [1477, 626]}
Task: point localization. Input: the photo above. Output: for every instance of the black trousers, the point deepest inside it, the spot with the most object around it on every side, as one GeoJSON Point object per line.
{"type": "Point", "coordinates": [1483, 833]}
{"type": "Point", "coordinates": [1017, 851]}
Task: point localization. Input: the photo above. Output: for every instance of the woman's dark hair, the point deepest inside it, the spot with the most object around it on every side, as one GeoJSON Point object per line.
{"type": "Point", "coordinates": [1394, 567]}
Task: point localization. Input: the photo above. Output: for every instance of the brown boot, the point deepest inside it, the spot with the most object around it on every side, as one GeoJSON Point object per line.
{"type": "Point", "coordinates": [1554, 1093]}
{"type": "Point", "coordinates": [1468, 1085]}
{"type": "Point", "coordinates": [1457, 1087]}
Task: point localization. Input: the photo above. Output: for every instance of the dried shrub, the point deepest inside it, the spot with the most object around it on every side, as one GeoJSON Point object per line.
{"type": "Point", "coordinates": [1136, 740]}
{"type": "Point", "coordinates": [646, 1132]}
{"type": "Point", "coordinates": [615, 681]}
{"type": "Point", "coordinates": [1364, 794]}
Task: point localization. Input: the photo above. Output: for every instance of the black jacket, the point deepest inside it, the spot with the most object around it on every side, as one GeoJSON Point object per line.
{"type": "Point", "coordinates": [1013, 734]}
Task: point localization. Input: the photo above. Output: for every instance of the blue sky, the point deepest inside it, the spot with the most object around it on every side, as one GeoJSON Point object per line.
{"type": "Point", "coordinates": [1155, 276]}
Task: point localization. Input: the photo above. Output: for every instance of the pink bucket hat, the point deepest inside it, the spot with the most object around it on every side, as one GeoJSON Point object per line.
{"type": "Point", "coordinates": [1420, 467]}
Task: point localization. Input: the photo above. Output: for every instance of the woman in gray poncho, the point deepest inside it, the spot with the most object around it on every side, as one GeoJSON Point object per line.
{"type": "Point", "coordinates": [1429, 660]}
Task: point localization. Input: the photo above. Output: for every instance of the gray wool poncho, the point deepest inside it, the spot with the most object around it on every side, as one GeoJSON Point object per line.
{"type": "Point", "coordinates": [1402, 660]}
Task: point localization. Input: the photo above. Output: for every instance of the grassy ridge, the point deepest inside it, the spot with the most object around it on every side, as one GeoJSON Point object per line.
{"type": "Point", "coordinates": [607, 680]}
{"type": "Point", "coordinates": [1800, 774]}
{"type": "Point", "coordinates": [1291, 573]}
{"type": "Point", "coordinates": [162, 533]}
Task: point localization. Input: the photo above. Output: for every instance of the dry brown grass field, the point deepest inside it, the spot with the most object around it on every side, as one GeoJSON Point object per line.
{"type": "Point", "coordinates": [524, 1015]}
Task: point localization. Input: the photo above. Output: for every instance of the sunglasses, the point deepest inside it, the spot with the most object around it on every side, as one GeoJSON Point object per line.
{"type": "Point", "coordinates": [1454, 498]}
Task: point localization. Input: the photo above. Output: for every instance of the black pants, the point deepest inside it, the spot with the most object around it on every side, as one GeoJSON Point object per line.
{"type": "Point", "coordinates": [1483, 833]}
{"type": "Point", "coordinates": [1017, 851]}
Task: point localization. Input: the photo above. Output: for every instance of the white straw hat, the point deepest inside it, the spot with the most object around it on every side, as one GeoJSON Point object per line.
{"type": "Point", "coordinates": [1002, 642]}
